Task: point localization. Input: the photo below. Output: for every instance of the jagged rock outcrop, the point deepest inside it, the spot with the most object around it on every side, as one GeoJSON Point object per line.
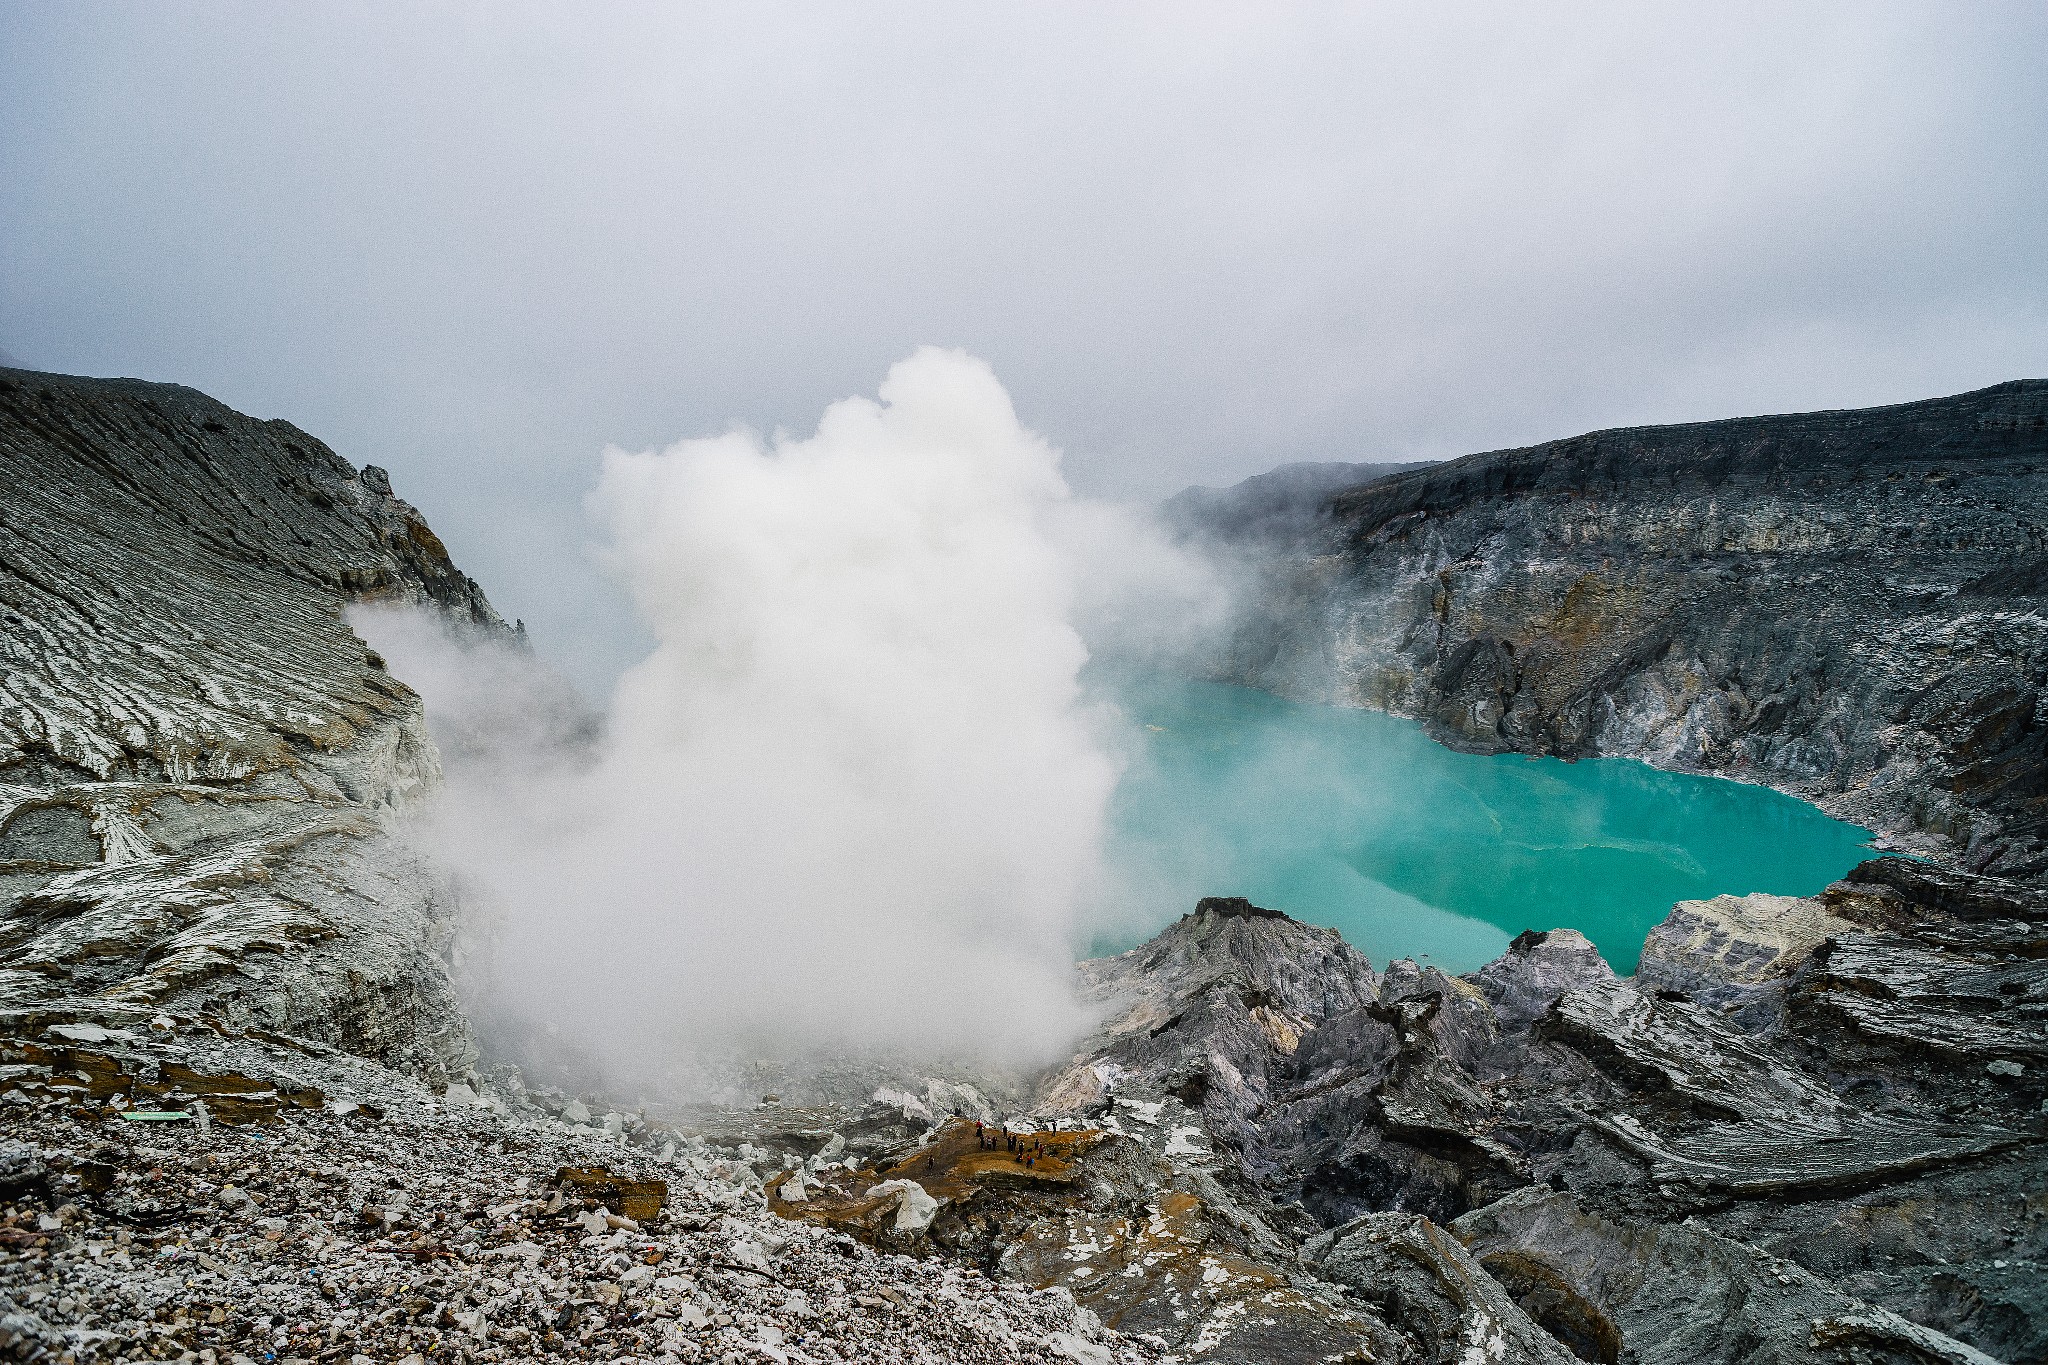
{"type": "Point", "coordinates": [1449, 1307]}
{"type": "Point", "coordinates": [1811, 1130]}
{"type": "Point", "coordinates": [198, 756]}
{"type": "Point", "coordinates": [1205, 1011]}
{"type": "Point", "coordinates": [1705, 1297]}
{"type": "Point", "coordinates": [1845, 605]}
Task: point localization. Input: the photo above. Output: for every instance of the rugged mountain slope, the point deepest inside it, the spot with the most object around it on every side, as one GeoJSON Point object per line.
{"type": "Point", "coordinates": [1845, 605]}
{"type": "Point", "coordinates": [196, 751]}
{"type": "Point", "coordinates": [1273, 501]}
{"type": "Point", "coordinates": [1808, 1130]}
{"type": "Point", "coordinates": [205, 906]}
{"type": "Point", "coordinates": [1821, 1143]}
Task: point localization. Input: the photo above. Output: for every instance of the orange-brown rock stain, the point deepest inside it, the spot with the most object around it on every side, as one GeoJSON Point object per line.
{"type": "Point", "coordinates": [953, 1167]}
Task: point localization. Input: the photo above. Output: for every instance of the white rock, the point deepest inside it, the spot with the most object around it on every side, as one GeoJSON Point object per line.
{"type": "Point", "coordinates": [575, 1111]}
{"type": "Point", "coordinates": [86, 1033]}
{"type": "Point", "coordinates": [749, 1254]}
{"type": "Point", "coordinates": [793, 1191]}
{"type": "Point", "coordinates": [593, 1221]}
{"type": "Point", "coordinates": [2004, 1068]}
{"type": "Point", "coordinates": [458, 1093]}
{"type": "Point", "coordinates": [1145, 1111]}
{"type": "Point", "coordinates": [913, 1107]}
{"type": "Point", "coordinates": [1078, 1349]}
{"type": "Point", "coordinates": [526, 1251]}
{"type": "Point", "coordinates": [915, 1209]}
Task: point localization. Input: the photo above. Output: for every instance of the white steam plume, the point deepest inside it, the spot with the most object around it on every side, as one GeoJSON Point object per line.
{"type": "Point", "coordinates": [854, 796]}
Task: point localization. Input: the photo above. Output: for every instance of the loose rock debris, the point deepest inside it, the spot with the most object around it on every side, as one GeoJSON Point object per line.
{"type": "Point", "coordinates": [450, 1232]}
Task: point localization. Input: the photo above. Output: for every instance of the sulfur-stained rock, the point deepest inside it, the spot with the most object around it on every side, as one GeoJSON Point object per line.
{"type": "Point", "coordinates": [640, 1200]}
{"type": "Point", "coordinates": [1735, 953]}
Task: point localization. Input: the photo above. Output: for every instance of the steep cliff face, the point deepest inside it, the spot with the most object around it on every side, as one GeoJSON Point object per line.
{"type": "Point", "coordinates": [1845, 605]}
{"type": "Point", "coordinates": [197, 754]}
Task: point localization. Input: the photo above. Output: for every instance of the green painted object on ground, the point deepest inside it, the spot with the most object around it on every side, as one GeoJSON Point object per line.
{"type": "Point", "coordinates": [154, 1115]}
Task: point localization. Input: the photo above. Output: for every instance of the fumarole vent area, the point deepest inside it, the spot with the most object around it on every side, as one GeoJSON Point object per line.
{"type": "Point", "coordinates": [909, 961]}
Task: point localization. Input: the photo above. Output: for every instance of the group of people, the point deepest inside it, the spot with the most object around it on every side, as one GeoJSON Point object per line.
{"type": "Point", "coordinates": [1023, 1147]}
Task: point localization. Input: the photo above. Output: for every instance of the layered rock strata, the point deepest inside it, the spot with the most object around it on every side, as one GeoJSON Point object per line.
{"type": "Point", "coordinates": [1810, 1131]}
{"type": "Point", "coordinates": [1845, 605]}
{"type": "Point", "coordinates": [198, 756]}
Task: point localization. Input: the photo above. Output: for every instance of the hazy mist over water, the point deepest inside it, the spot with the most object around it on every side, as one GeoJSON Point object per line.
{"type": "Point", "coordinates": [912, 738]}
{"type": "Point", "coordinates": [1360, 821]}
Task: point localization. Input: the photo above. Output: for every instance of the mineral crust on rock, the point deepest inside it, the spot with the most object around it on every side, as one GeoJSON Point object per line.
{"type": "Point", "coordinates": [198, 756]}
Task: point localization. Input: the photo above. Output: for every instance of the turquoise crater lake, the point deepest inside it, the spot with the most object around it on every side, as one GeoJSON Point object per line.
{"type": "Point", "coordinates": [1361, 822]}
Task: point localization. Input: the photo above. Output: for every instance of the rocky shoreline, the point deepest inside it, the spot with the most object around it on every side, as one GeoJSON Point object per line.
{"type": "Point", "coordinates": [1808, 1129]}
{"type": "Point", "coordinates": [1847, 606]}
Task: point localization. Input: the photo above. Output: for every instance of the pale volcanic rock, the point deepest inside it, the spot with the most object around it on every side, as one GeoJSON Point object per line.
{"type": "Point", "coordinates": [198, 756]}
{"type": "Point", "coordinates": [1725, 950]}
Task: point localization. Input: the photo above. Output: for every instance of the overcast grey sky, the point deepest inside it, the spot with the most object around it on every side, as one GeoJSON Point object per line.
{"type": "Point", "coordinates": [476, 243]}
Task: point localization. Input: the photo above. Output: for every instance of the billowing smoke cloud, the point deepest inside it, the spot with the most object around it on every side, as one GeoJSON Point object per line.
{"type": "Point", "coordinates": [855, 795]}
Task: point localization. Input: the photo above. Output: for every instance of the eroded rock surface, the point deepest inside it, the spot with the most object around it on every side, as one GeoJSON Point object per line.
{"type": "Point", "coordinates": [1809, 1130]}
{"type": "Point", "coordinates": [198, 756]}
{"type": "Point", "coordinates": [1812, 1130]}
{"type": "Point", "coordinates": [1845, 605]}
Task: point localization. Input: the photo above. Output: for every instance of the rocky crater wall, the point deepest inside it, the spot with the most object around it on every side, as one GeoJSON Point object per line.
{"type": "Point", "coordinates": [198, 756]}
{"type": "Point", "coordinates": [1851, 606]}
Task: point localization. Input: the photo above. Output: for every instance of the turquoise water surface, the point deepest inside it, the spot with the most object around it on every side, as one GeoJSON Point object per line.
{"type": "Point", "coordinates": [1359, 821]}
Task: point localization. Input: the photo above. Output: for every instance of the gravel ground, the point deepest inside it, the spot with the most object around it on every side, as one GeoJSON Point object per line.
{"type": "Point", "coordinates": [416, 1229]}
